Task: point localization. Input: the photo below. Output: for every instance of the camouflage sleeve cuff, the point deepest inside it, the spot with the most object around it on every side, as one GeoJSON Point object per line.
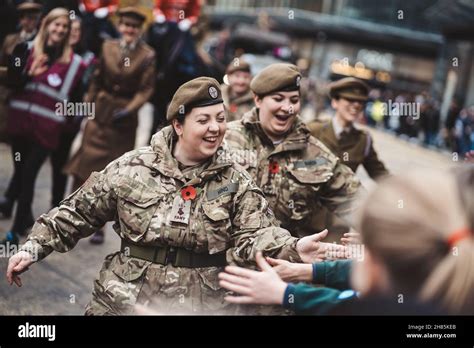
{"type": "Point", "coordinates": [35, 249]}
{"type": "Point", "coordinates": [289, 252]}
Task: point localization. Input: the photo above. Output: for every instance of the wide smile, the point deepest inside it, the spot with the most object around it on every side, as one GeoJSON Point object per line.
{"type": "Point", "coordinates": [282, 118]}
{"type": "Point", "coordinates": [212, 140]}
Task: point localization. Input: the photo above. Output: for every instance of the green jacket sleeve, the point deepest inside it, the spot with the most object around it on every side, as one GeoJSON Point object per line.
{"type": "Point", "coordinates": [78, 216]}
{"type": "Point", "coordinates": [255, 228]}
{"type": "Point", "coordinates": [334, 274]}
{"type": "Point", "coordinates": [306, 299]}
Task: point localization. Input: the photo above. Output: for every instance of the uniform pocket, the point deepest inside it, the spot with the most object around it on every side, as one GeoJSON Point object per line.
{"type": "Point", "coordinates": [217, 224]}
{"type": "Point", "coordinates": [121, 281]}
{"type": "Point", "coordinates": [310, 177]}
{"type": "Point", "coordinates": [136, 206]}
{"type": "Point", "coordinates": [212, 295]}
{"type": "Point", "coordinates": [298, 202]}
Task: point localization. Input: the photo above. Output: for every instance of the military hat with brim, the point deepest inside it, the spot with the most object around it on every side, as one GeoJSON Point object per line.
{"type": "Point", "coordinates": [350, 88]}
{"type": "Point", "coordinates": [29, 6]}
{"type": "Point", "coordinates": [133, 12]}
{"type": "Point", "coordinates": [237, 64]}
{"type": "Point", "coordinates": [203, 91]}
{"type": "Point", "coordinates": [279, 77]}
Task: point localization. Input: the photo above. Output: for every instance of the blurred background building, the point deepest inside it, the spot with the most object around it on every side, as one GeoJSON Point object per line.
{"type": "Point", "coordinates": [399, 47]}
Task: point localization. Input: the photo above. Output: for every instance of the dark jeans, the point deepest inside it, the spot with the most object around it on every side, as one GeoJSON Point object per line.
{"type": "Point", "coordinates": [28, 157]}
{"type": "Point", "coordinates": [59, 158]}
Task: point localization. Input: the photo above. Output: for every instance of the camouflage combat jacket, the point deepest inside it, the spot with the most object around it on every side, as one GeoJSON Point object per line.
{"type": "Point", "coordinates": [298, 175]}
{"type": "Point", "coordinates": [236, 106]}
{"type": "Point", "coordinates": [229, 215]}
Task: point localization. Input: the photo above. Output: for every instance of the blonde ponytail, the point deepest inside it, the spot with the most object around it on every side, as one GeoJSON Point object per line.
{"type": "Point", "coordinates": [407, 222]}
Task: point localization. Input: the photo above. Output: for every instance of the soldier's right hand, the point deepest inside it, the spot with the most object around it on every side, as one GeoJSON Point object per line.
{"type": "Point", "coordinates": [18, 264]}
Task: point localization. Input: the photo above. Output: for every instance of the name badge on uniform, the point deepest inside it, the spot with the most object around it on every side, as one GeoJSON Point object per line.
{"type": "Point", "coordinates": [309, 163]}
{"type": "Point", "coordinates": [181, 210]}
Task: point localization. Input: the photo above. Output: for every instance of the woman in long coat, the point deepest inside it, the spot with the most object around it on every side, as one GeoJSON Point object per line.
{"type": "Point", "coordinates": [122, 83]}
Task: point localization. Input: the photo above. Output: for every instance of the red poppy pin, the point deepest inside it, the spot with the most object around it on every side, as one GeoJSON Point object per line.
{"type": "Point", "coordinates": [233, 108]}
{"type": "Point", "coordinates": [188, 193]}
{"type": "Point", "coordinates": [274, 167]}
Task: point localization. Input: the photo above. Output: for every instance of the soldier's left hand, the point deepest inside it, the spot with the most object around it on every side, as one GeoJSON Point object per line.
{"type": "Point", "coordinates": [264, 287]}
{"type": "Point", "coordinates": [311, 249]}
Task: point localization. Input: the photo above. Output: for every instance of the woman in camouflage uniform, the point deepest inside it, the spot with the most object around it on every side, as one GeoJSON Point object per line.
{"type": "Point", "coordinates": [297, 173]}
{"type": "Point", "coordinates": [182, 212]}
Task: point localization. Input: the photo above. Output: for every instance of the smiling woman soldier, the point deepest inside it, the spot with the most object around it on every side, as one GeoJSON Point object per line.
{"type": "Point", "coordinates": [297, 173]}
{"type": "Point", "coordinates": [181, 211]}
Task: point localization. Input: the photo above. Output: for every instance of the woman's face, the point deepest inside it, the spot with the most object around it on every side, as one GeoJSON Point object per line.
{"type": "Point", "coordinates": [58, 31]}
{"type": "Point", "coordinates": [130, 29]}
{"type": "Point", "coordinates": [240, 81]}
{"type": "Point", "coordinates": [277, 112]}
{"type": "Point", "coordinates": [202, 132]}
{"type": "Point", "coordinates": [29, 21]}
{"type": "Point", "coordinates": [75, 36]}
{"type": "Point", "coordinates": [348, 110]}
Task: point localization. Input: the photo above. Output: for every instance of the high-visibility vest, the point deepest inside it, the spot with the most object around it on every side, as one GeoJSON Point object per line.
{"type": "Point", "coordinates": [33, 111]}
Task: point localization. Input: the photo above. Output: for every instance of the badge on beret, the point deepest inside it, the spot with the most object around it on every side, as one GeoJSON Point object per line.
{"type": "Point", "coordinates": [298, 80]}
{"type": "Point", "coordinates": [54, 80]}
{"type": "Point", "coordinates": [213, 92]}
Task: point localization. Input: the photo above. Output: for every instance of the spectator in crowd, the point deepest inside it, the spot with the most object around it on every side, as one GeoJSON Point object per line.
{"type": "Point", "coordinates": [449, 130]}
{"type": "Point", "coordinates": [97, 25]}
{"type": "Point", "coordinates": [237, 94]}
{"type": "Point", "coordinates": [464, 131]}
{"type": "Point", "coordinates": [60, 155]}
{"type": "Point", "coordinates": [429, 122]}
{"type": "Point", "coordinates": [121, 84]}
{"type": "Point", "coordinates": [48, 72]}
{"type": "Point", "coordinates": [29, 13]}
{"type": "Point", "coordinates": [418, 258]}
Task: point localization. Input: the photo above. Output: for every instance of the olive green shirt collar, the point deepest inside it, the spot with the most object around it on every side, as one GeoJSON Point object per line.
{"type": "Point", "coordinates": [338, 129]}
{"type": "Point", "coordinates": [166, 163]}
{"type": "Point", "coordinates": [296, 139]}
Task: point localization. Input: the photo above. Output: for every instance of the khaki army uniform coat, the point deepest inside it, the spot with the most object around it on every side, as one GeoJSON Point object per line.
{"type": "Point", "coordinates": [228, 215]}
{"type": "Point", "coordinates": [298, 176]}
{"type": "Point", "coordinates": [353, 149]}
{"type": "Point", "coordinates": [121, 81]}
{"type": "Point", "coordinates": [236, 106]}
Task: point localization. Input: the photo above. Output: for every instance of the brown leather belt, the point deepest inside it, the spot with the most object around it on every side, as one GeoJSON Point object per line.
{"type": "Point", "coordinates": [178, 257]}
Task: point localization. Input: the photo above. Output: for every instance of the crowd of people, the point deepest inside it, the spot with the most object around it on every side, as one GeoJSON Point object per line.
{"type": "Point", "coordinates": [233, 177]}
{"type": "Point", "coordinates": [424, 125]}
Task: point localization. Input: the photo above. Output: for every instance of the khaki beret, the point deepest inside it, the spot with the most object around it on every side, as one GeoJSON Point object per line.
{"type": "Point", "coordinates": [202, 91]}
{"type": "Point", "coordinates": [237, 64]}
{"type": "Point", "coordinates": [349, 87]}
{"type": "Point", "coordinates": [29, 6]}
{"type": "Point", "coordinates": [131, 11]}
{"type": "Point", "coordinates": [276, 77]}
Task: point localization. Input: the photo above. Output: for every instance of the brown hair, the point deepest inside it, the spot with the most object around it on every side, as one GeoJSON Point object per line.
{"type": "Point", "coordinates": [42, 37]}
{"type": "Point", "coordinates": [406, 223]}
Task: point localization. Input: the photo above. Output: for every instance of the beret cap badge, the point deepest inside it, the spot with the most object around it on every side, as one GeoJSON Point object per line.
{"type": "Point", "coordinates": [213, 92]}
